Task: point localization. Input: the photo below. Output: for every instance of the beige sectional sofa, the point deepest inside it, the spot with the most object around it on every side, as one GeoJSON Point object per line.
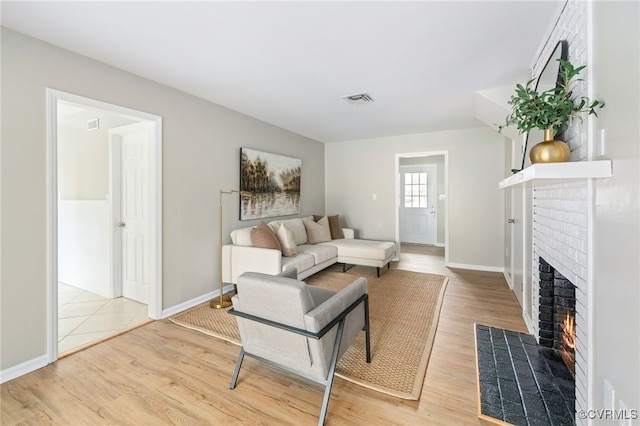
{"type": "Point", "coordinates": [242, 256]}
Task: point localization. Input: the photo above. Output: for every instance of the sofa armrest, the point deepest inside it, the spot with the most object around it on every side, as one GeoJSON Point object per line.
{"type": "Point", "coordinates": [237, 260]}
{"type": "Point", "coordinates": [349, 233]}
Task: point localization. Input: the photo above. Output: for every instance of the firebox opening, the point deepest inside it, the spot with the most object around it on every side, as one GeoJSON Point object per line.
{"type": "Point", "coordinates": [557, 307]}
{"type": "Point", "coordinates": [557, 327]}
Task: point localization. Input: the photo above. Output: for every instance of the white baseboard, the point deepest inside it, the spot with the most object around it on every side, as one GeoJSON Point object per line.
{"type": "Point", "coordinates": [475, 267]}
{"type": "Point", "coordinates": [166, 313]}
{"type": "Point", "coordinates": [24, 368]}
{"type": "Point", "coordinates": [528, 323]}
{"type": "Point", "coordinates": [506, 277]}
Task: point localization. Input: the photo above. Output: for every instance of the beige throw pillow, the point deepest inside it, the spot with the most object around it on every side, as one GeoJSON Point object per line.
{"type": "Point", "coordinates": [317, 232]}
{"type": "Point", "coordinates": [287, 241]}
{"type": "Point", "coordinates": [334, 226]}
{"type": "Point", "coordinates": [262, 236]}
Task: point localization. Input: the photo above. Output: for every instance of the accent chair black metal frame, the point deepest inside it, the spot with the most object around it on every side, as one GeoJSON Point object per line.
{"type": "Point", "coordinates": [339, 321]}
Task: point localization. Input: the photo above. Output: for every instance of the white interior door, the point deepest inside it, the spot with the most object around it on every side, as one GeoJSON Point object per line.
{"type": "Point", "coordinates": [513, 228]}
{"type": "Point", "coordinates": [508, 236]}
{"type": "Point", "coordinates": [418, 208]}
{"type": "Point", "coordinates": [134, 211]}
{"type": "Point", "coordinates": [517, 217]}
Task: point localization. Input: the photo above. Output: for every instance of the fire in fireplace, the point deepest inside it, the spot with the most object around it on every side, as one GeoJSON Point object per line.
{"type": "Point", "coordinates": [568, 345]}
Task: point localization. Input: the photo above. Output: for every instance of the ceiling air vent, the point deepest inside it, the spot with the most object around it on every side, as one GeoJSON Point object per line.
{"type": "Point", "coordinates": [358, 98]}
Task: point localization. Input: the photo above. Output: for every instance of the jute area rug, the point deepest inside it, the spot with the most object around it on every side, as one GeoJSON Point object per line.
{"type": "Point", "coordinates": [404, 308]}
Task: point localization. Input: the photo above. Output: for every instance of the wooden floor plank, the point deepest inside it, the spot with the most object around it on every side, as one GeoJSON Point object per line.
{"type": "Point", "coordinates": [163, 374]}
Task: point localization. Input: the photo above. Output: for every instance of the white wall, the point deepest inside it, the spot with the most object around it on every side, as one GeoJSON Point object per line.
{"type": "Point", "coordinates": [616, 243]}
{"type": "Point", "coordinates": [83, 156]}
{"type": "Point", "coordinates": [83, 245]}
{"type": "Point", "coordinates": [201, 155]}
{"type": "Point", "coordinates": [358, 169]}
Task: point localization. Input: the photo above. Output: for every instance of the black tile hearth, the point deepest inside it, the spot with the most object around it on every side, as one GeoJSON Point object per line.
{"type": "Point", "coordinates": [521, 382]}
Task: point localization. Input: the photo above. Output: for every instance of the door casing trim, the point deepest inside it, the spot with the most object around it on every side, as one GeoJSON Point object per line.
{"type": "Point", "coordinates": [444, 153]}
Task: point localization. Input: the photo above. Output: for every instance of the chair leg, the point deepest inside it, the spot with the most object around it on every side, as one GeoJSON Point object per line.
{"type": "Point", "coordinates": [236, 373]}
{"type": "Point", "coordinates": [332, 370]}
{"type": "Point", "coordinates": [378, 271]}
{"type": "Point", "coordinates": [367, 330]}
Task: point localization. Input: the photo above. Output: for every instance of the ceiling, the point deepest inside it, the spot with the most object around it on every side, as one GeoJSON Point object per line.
{"type": "Point", "coordinates": [290, 63]}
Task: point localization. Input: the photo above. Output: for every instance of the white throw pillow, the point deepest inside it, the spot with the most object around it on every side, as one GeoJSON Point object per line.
{"type": "Point", "coordinates": [287, 241]}
{"type": "Point", "coordinates": [317, 232]}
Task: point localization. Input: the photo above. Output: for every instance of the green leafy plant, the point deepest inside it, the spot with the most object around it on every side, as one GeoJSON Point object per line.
{"type": "Point", "coordinates": [552, 108]}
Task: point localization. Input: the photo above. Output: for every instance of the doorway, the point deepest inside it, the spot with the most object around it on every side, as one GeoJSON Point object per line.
{"type": "Point", "coordinates": [418, 209]}
{"type": "Point", "coordinates": [84, 200]}
{"type": "Point", "coordinates": [422, 218]}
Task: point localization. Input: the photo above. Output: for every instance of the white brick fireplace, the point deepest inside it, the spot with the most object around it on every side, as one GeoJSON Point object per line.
{"type": "Point", "coordinates": [561, 211]}
{"type": "Point", "coordinates": [563, 208]}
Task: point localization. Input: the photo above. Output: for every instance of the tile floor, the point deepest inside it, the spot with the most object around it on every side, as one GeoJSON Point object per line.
{"type": "Point", "coordinates": [85, 317]}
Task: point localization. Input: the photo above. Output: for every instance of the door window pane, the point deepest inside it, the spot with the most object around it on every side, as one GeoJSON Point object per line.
{"type": "Point", "coordinates": [415, 190]}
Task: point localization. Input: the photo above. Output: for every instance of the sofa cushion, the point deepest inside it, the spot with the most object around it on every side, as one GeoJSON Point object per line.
{"type": "Point", "coordinates": [302, 262]}
{"type": "Point", "coordinates": [242, 237]}
{"type": "Point", "coordinates": [364, 249]}
{"type": "Point", "coordinates": [262, 236]}
{"type": "Point", "coordinates": [321, 253]}
{"type": "Point", "coordinates": [287, 241]}
{"type": "Point", "coordinates": [317, 232]}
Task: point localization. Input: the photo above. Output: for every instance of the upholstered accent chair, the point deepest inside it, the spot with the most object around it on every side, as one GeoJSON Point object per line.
{"type": "Point", "coordinates": [297, 327]}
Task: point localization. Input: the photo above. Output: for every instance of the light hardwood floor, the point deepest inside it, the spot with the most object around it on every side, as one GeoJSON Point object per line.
{"type": "Point", "coordinates": [165, 374]}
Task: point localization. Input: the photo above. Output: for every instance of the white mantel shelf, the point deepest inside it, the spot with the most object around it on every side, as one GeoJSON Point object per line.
{"type": "Point", "coordinates": [568, 170]}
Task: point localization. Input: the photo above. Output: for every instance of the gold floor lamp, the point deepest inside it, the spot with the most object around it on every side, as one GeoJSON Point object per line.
{"type": "Point", "coordinates": [222, 301]}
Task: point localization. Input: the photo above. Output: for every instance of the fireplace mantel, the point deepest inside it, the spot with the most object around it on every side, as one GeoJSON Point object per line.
{"type": "Point", "coordinates": [560, 171]}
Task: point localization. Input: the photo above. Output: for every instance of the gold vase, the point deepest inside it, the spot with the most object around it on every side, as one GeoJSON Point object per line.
{"type": "Point", "coordinates": [549, 150]}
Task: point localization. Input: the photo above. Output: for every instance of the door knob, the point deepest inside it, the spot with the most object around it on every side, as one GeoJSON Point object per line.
{"type": "Point", "coordinates": [121, 224]}
{"type": "Point", "coordinates": [511, 221]}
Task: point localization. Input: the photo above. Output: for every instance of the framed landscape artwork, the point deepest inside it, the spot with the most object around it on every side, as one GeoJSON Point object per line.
{"type": "Point", "coordinates": [273, 181]}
